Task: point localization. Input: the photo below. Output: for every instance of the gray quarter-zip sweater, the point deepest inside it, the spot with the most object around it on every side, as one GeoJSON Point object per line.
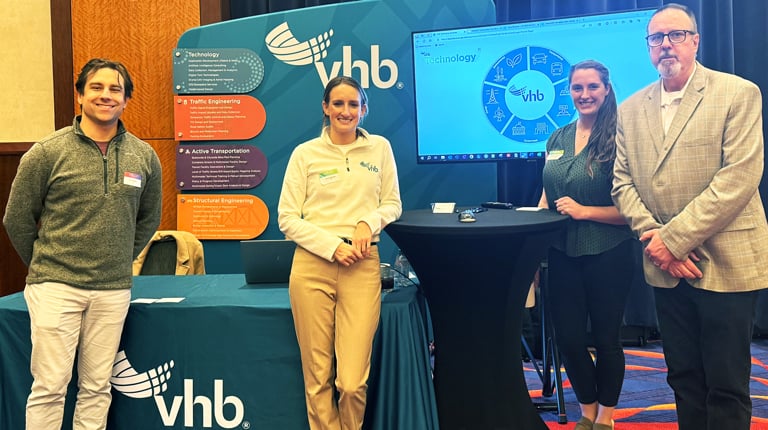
{"type": "Point", "coordinates": [79, 217]}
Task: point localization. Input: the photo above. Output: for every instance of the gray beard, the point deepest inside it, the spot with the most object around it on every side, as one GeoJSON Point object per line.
{"type": "Point", "coordinates": [668, 71]}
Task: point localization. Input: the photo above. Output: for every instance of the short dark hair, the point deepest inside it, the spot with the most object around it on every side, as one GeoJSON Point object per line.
{"type": "Point", "coordinates": [95, 64]}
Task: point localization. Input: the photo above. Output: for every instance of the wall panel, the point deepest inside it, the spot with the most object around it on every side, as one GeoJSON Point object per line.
{"type": "Point", "coordinates": [142, 35]}
{"type": "Point", "coordinates": [13, 270]}
{"type": "Point", "coordinates": [26, 80]}
{"type": "Point", "coordinates": [26, 83]}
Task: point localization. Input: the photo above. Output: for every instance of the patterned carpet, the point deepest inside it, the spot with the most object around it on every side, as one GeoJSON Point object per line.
{"type": "Point", "coordinates": [647, 402]}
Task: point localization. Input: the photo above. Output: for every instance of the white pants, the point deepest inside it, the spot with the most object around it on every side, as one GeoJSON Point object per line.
{"type": "Point", "coordinates": [65, 320]}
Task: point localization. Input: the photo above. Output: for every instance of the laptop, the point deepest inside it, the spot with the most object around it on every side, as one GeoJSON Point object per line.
{"type": "Point", "coordinates": [267, 261]}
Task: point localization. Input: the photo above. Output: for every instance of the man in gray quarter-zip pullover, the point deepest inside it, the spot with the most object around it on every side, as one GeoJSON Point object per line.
{"type": "Point", "coordinates": [84, 203]}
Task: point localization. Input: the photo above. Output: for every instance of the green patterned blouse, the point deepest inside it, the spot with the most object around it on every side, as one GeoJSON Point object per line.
{"type": "Point", "coordinates": [567, 175]}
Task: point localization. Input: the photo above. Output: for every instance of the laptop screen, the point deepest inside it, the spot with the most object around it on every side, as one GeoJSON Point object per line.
{"type": "Point", "coordinates": [267, 261]}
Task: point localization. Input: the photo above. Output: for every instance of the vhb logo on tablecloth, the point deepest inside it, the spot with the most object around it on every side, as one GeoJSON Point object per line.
{"type": "Point", "coordinates": [153, 382]}
{"type": "Point", "coordinates": [131, 383]}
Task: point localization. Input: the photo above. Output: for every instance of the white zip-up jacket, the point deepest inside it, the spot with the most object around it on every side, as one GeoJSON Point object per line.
{"type": "Point", "coordinates": [328, 189]}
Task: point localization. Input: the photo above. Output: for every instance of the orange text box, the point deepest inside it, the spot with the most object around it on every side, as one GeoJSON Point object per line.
{"type": "Point", "coordinates": [235, 117]}
{"type": "Point", "coordinates": [222, 216]}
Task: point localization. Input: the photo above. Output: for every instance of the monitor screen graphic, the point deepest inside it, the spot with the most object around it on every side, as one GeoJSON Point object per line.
{"type": "Point", "coordinates": [497, 92]}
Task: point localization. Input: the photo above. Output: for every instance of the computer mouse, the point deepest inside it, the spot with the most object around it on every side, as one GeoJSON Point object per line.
{"type": "Point", "coordinates": [467, 216]}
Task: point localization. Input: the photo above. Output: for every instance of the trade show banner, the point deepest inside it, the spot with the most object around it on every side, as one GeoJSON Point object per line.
{"type": "Point", "coordinates": [259, 81]}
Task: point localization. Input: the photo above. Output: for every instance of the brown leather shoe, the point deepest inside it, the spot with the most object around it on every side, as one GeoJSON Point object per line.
{"type": "Point", "coordinates": [584, 424]}
{"type": "Point", "coordinates": [598, 426]}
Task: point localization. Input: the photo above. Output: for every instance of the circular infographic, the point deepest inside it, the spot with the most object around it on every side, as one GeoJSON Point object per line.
{"type": "Point", "coordinates": [526, 95]}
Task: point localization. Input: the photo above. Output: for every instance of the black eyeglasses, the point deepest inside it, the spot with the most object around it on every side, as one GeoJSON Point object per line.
{"type": "Point", "coordinates": [675, 37]}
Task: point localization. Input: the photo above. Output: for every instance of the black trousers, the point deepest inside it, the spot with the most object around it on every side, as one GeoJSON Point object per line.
{"type": "Point", "coordinates": [706, 338]}
{"type": "Point", "coordinates": [591, 288]}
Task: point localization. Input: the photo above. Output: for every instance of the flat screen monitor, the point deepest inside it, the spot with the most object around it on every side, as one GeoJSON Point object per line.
{"type": "Point", "coordinates": [497, 92]}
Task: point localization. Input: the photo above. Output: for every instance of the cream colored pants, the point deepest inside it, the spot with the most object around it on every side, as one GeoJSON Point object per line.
{"type": "Point", "coordinates": [65, 320]}
{"type": "Point", "coordinates": [336, 313]}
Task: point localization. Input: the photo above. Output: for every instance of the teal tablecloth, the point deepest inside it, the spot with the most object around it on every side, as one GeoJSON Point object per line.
{"type": "Point", "coordinates": [226, 357]}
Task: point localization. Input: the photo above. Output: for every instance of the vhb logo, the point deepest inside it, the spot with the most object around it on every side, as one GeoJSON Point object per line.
{"type": "Point", "coordinates": [530, 95]}
{"type": "Point", "coordinates": [286, 48]}
{"type": "Point", "coordinates": [533, 97]}
{"type": "Point", "coordinates": [126, 380]}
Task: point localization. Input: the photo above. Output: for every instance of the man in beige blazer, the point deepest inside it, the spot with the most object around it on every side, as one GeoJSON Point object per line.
{"type": "Point", "coordinates": [688, 164]}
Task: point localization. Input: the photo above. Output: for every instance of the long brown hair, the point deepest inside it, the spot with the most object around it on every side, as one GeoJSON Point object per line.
{"type": "Point", "coordinates": [601, 146]}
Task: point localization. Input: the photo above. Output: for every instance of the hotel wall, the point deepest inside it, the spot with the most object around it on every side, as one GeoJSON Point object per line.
{"type": "Point", "coordinates": [37, 83]}
{"type": "Point", "coordinates": [26, 80]}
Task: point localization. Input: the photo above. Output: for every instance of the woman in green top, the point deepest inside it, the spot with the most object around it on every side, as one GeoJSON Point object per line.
{"type": "Point", "coordinates": [591, 268]}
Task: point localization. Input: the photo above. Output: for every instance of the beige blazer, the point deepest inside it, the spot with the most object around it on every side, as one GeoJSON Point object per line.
{"type": "Point", "coordinates": [699, 183]}
{"type": "Point", "coordinates": [190, 258]}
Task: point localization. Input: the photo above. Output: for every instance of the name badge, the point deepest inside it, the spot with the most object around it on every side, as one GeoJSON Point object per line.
{"type": "Point", "coordinates": [554, 155]}
{"type": "Point", "coordinates": [329, 176]}
{"type": "Point", "coordinates": [132, 179]}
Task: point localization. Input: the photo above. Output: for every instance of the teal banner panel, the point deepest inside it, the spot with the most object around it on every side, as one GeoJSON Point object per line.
{"type": "Point", "coordinates": [369, 40]}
